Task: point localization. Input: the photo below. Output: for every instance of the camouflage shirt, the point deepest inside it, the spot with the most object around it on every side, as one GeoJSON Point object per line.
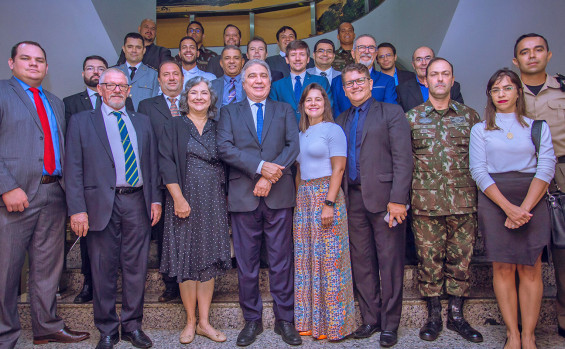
{"type": "Point", "coordinates": [342, 58]}
{"type": "Point", "coordinates": [442, 183]}
{"type": "Point", "coordinates": [204, 57]}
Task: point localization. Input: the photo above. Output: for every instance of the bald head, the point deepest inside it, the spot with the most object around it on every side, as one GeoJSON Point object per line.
{"type": "Point", "coordinates": [420, 59]}
{"type": "Point", "coordinates": [148, 29]}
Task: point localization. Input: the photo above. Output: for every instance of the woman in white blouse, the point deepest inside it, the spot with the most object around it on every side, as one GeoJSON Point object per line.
{"type": "Point", "coordinates": [323, 296]}
{"type": "Point", "coordinates": [512, 217]}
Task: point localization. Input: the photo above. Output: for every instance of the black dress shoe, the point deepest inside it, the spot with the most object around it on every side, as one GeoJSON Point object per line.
{"type": "Point", "coordinates": [388, 338]}
{"type": "Point", "coordinates": [85, 294]}
{"type": "Point", "coordinates": [366, 331]}
{"type": "Point", "coordinates": [249, 333]}
{"type": "Point", "coordinates": [108, 342]}
{"type": "Point", "coordinates": [288, 332]}
{"type": "Point", "coordinates": [560, 331]}
{"type": "Point", "coordinates": [137, 338]}
{"type": "Point", "coordinates": [170, 294]}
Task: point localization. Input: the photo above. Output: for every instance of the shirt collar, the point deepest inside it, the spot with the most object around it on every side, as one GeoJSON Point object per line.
{"type": "Point", "coordinates": [237, 78]}
{"type": "Point", "coordinates": [191, 71]}
{"type": "Point", "coordinates": [251, 103]}
{"type": "Point", "coordinates": [327, 71]}
{"type": "Point", "coordinates": [177, 98]}
{"type": "Point", "coordinates": [90, 92]}
{"type": "Point", "coordinates": [283, 54]}
{"type": "Point", "coordinates": [302, 76]}
{"type": "Point", "coordinates": [136, 66]}
{"type": "Point", "coordinates": [106, 110]}
{"type": "Point", "coordinates": [429, 108]}
{"type": "Point", "coordinates": [26, 86]}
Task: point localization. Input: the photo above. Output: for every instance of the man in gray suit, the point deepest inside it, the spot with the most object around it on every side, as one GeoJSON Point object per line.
{"type": "Point", "coordinates": [228, 87]}
{"type": "Point", "coordinates": [324, 55]}
{"type": "Point", "coordinates": [113, 199]}
{"type": "Point", "coordinates": [376, 186]}
{"type": "Point", "coordinates": [258, 139]}
{"type": "Point", "coordinates": [32, 209]}
{"type": "Point", "coordinates": [141, 78]}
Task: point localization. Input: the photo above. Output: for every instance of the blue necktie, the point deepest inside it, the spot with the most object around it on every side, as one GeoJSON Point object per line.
{"type": "Point", "coordinates": [297, 89]}
{"type": "Point", "coordinates": [259, 120]}
{"type": "Point", "coordinates": [351, 147]}
{"type": "Point", "coordinates": [132, 177]}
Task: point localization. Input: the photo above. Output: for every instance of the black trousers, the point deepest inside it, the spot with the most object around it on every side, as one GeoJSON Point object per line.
{"type": "Point", "coordinates": [377, 261]}
{"type": "Point", "coordinates": [124, 243]}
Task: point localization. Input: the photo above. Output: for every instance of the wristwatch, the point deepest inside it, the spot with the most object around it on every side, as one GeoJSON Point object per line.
{"type": "Point", "coordinates": [329, 203]}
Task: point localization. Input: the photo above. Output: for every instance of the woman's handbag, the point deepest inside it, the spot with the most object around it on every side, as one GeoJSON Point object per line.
{"type": "Point", "coordinates": [555, 200]}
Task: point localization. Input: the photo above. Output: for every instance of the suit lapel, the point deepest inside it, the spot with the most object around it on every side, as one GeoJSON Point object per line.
{"type": "Point", "coordinates": [26, 100]}
{"type": "Point", "coordinates": [138, 132]}
{"type": "Point", "coordinates": [268, 117]}
{"type": "Point", "coordinates": [416, 92]}
{"type": "Point", "coordinates": [60, 119]}
{"type": "Point", "coordinates": [85, 100]}
{"type": "Point", "coordinates": [290, 89]}
{"type": "Point", "coordinates": [162, 106]}
{"type": "Point", "coordinates": [98, 124]}
{"type": "Point", "coordinates": [247, 115]}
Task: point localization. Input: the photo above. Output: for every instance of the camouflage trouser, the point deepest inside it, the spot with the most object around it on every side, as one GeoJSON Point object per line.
{"type": "Point", "coordinates": [444, 245]}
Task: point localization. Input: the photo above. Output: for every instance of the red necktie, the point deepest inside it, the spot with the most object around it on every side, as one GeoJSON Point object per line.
{"type": "Point", "coordinates": [48, 151]}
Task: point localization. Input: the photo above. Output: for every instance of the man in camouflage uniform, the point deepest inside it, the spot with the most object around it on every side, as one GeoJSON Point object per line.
{"type": "Point", "coordinates": [545, 100]}
{"type": "Point", "coordinates": [444, 201]}
{"type": "Point", "coordinates": [343, 57]}
{"type": "Point", "coordinates": [196, 31]}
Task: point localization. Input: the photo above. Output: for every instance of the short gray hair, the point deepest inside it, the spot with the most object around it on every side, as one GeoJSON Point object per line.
{"type": "Point", "coordinates": [251, 63]}
{"type": "Point", "coordinates": [111, 70]}
{"type": "Point", "coordinates": [361, 37]}
{"type": "Point", "coordinates": [183, 104]}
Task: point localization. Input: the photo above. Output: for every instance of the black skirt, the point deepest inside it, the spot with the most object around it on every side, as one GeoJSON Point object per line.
{"type": "Point", "coordinates": [517, 246]}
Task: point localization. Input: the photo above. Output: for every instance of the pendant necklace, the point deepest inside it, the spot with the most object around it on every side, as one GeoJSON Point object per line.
{"type": "Point", "coordinates": [509, 134]}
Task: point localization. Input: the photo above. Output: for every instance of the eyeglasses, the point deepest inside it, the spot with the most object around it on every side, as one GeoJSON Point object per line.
{"type": "Point", "coordinates": [90, 69]}
{"type": "Point", "coordinates": [388, 55]}
{"type": "Point", "coordinates": [111, 86]}
{"type": "Point", "coordinates": [328, 51]}
{"type": "Point", "coordinates": [496, 91]}
{"type": "Point", "coordinates": [359, 82]}
{"type": "Point", "coordinates": [423, 59]}
{"type": "Point", "coordinates": [371, 48]}
{"type": "Point", "coordinates": [193, 30]}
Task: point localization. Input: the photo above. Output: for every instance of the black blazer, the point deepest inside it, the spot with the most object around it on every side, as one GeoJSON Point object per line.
{"type": "Point", "coordinates": [410, 96]}
{"type": "Point", "coordinates": [158, 111]}
{"type": "Point", "coordinates": [404, 75]}
{"type": "Point", "coordinates": [385, 157]}
{"type": "Point", "coordinates": [80, 102]}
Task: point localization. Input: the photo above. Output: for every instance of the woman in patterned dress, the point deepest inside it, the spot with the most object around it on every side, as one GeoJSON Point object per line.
{"type": "Point", "coordinates": [323, 305]}
{"type": "Point", "coordinates": [196, 246]}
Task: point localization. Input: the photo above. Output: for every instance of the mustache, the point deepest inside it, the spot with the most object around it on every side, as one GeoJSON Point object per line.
{"type": "Point", "coordinates": [440, 84]}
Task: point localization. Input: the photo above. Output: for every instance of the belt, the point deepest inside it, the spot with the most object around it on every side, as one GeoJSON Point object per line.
{"type": "Point", "coordinates": [561, 159]}
{"type": "Point", "coordinates": [128, 190]}
{"type": "Point", "coordinates": [49, 179]}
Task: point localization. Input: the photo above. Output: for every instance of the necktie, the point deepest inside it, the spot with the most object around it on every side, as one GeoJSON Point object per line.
{"type": "Point", "coordinates": [132, 177]}
{"type": "Point", "coordinates": [351, 147]}
{"type": "Point", "coordinates": [98, 101]}
{"type": "Point", "coordinates": [297, 89]}
{"type": "Point", "coordinates": [324, 74]}
{"type": "Point", "coordinates": [231, 91]}
{"type": "Point", "coordinates": [259, 120]}
{"type": "Point", "coordinates": [132, 74]}
{"type": "Point", "coordinates": [48, 150]}
{"type": "Point", "coordinates": [174, 109]}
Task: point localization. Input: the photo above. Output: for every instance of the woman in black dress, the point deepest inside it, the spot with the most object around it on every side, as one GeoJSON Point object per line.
{"type": "Point", "coordinates": [196, 246]}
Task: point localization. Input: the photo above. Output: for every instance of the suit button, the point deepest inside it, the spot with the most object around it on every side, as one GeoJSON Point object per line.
{"type": "Point", "coordinates": [111, 188]}
{"type": "Point", "coordinates": [41, 138]}
{"type": "Point", "coordinates": [40, 160]}
{"type": "Point", "coordinates": [113, 166]}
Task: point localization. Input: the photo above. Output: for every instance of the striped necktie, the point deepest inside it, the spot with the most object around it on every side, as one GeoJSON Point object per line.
{"type": "Point", "coordinates": [231, 91]}
{"type": "Point", "coordinates": [173, 108]}
{"type": "Point", "coordinates": [132, 177]}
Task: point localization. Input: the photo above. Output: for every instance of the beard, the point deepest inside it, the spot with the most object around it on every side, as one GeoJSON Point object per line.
{"type": "Point", "coordinates": [115, 103]}
{"type": "Point", "coordinates": [92, 81]}
{"type": "Point", "coordinates": [185, 61]}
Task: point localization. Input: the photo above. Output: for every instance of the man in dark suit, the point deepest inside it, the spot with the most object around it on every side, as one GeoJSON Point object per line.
{"type": "Point", "coordinates": [88, 99]}
{"type": "Point", "coordinates": [92, 67]}
{"type": "Point", "coordinates": [257, 49]}
{"type": "Point", "coordinates": [160, 110]}
{"type": "Point", "coordinates": [289, 89]}
{"type": "Point", "coordinates": [376, 186]}
{"type": "Point", "coordinates": [228, 87]}
{"type": "Point", "coordinates": [32, 208]}
{"type": "Point", "coordinates": [232, 37]}
{"type": "Point", "coordinates": [364, 52]}
{"type": "Point", "coordinates": [258, 139]}
{"type": "Point", "coordinates": [285, 35]}
{"type": "Point", "coordinates": [386, 59]}
{"type": "Point", "coordinates": [414, 92]}
{"type": "Point", "coordinates": [154, 54]}
{"type": "Point", "coordinates": [113, 199]}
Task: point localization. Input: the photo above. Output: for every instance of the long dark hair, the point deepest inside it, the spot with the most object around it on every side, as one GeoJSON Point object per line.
{"type": "Point", "coordinates": [490, 110]}
{"type": "Point", "coordinates": [326, 116]}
